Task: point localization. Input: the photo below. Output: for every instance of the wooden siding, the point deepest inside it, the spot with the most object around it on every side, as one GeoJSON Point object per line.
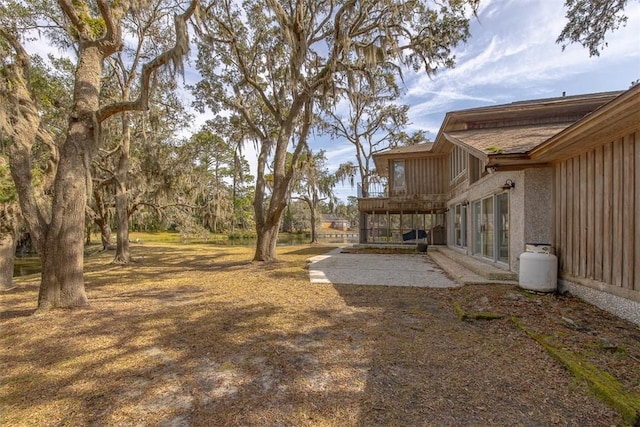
{"type": "Point", "coordinates": [435, 203]}
{"type": "Point", "coordinates": [597, 211]}
{"type": "Point", "coordinates": [424, 176]}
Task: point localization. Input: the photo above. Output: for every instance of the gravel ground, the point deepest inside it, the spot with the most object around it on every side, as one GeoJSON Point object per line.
{"type": "Point", "coordinates": [340, 267]}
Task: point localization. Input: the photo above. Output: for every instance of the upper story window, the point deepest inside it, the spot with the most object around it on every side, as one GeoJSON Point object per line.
{"type": "Point", "coordinates": [398, 175]}
{"type": "Point", "coordinates": [458, 162]}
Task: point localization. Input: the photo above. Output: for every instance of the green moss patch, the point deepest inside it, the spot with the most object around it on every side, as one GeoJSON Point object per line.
{"type": "Point", "coordinates": [604, 385]}
{"type": "Point", "coordinates": [474, 315]}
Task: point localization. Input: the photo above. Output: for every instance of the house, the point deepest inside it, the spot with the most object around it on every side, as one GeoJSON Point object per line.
{"type": "Point", "coordinates": [332, 221]}
{"type": "Point", "coordinates": [560, 171]}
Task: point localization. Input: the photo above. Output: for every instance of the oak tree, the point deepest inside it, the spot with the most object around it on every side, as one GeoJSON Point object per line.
{"type": "Point", "coordinates": [588, 21]}
{"type": "Point", "coordinates": [313, 184]}
{"type": "Point", "coordinates": [371, 121]}
{"type": "Point", "coordinates": [273, 63]}
{"type": "Point", "coordinates": [57, 228]}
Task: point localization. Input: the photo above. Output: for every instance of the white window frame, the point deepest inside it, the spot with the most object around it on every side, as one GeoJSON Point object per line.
{"type": "Point", "coordinates": [399, 185]}
{"type": "Point", "coordinates": [457, 162]}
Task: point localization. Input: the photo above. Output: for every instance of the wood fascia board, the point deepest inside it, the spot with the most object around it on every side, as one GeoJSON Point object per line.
{"type": "Point", "coordinates": [515, 165]}
{"type": "Point", "coordinates": [560, 104]}
{"type": "Point", "coordinates": [402, 156]}
{"type": "Point", "coordinates": [611, 116]}
{"type": "Point", "coordinates": [439, 145]}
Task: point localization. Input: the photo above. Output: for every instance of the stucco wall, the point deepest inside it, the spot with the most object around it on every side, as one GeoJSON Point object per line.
{"type": "Point", "coordinates": [530, 207]}
{"type": "Point", "coordinates": [538, 205]}
{"type": "Point", "coordinates": [489, 185]}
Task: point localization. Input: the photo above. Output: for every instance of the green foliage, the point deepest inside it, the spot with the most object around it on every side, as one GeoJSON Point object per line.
{"type": "Point", "coordinates": [95, 26]}
{"type": "Point", "coordinates": [52, 85]}
{"type": "Point", "coordinates": [271, 64]}
{"type": "Point", "coordinates": [218, 178]}
{"type": "Point", "coordinates": [588, 21]}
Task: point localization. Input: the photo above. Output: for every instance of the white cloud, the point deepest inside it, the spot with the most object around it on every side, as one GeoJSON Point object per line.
{"type": "Point", "coordinates": [337, 152]}
{"type": "Point", "coordinates": [512, 55]}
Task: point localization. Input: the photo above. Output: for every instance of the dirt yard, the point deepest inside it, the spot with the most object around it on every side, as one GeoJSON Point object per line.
{"type": "Point", "coordinates": [196, 335]}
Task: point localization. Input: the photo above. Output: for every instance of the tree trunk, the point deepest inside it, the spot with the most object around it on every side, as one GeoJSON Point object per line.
{"type": "Point", "coordinates": [105, 236]}
{"type": "Point", "coordinates": [101, 217]}
{"type": "Point", "coordinates": [314, 234]}
{"type": "Point", "coordinates": [267, 226]}
{"type": "Point", "coordinates": [87, 232]}
{"type": "Point", "coordinates": [63, 250]}
{"type": "Point", "coordinates": [8, 244]}
{"type": "Point", "coordinates": [314, 215]}
{"type": "Point", "coordinates": [266, 242]}
{"type": "Point", "coordinates": [123, 255]}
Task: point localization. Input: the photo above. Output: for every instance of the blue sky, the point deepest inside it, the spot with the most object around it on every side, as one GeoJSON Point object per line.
{"type": "Point", "coordinates": [512, 56]}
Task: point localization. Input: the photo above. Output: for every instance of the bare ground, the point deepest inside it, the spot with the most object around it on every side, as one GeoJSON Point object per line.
{"type": "Point", "coordinates": [196, 335]}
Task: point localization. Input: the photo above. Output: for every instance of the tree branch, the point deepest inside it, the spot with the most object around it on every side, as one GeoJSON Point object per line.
{"type": "Point", "coordinates": [70, 11]}
{"type": "Point", "coordinates": [173, 55]}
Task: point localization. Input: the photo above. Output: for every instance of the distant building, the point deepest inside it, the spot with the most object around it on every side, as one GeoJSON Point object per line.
{"type": "Point", "coordinates": [332, 221]}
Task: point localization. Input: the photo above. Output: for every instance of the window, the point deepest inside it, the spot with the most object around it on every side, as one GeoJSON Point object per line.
{"type": "Point", "coordinates": [490, 227]}
{"type": "Point", "coordinates": [502, 210]}
{"type": "Point", "coordinates": [459, 225]}
{"type": "Point", "coordinates": [398, 175]}
{"type": "Point", "coordinates": [477, 227]}
{"type": "Point", "coordinates": [457, 162]}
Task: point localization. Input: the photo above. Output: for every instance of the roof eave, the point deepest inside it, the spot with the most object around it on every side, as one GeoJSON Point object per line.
{"type": "Point", "coordinates": [617, 116]}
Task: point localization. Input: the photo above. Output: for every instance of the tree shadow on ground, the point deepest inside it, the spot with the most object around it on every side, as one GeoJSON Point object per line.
{"type": "Point", "coordinates": [250, 345]}
{"type": "Point", "coordinates": [430, 368]}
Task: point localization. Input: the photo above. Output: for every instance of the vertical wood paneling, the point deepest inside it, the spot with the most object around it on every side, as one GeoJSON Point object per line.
{"type": "Point", "coordinates": [598, 209]}
{"type": "Point", "coordinates": [563, 215]}
{"type": "Point", "coordinates": [583, 206]}
{"type": "Point", "coordinates": [425, 176]}
{"type": "Point", "coordinates": [636, 216]}
{"type": "Point", "coordinates": [576, 213]}
{"type": "Point", "coordinates": [628, 226]}
{"type": "Point", "coordinates": [597, 213]}
{"type": "Point", "coordinates": [568, 253]}
{"type": "Point", "coordinates": [590, 208]}
{"type": "Point", "coordinates": [557, 228]}
{"type": "Point", "coordinates": [616, 258]}
{"type": "Point", "coordinates": [606, 209]}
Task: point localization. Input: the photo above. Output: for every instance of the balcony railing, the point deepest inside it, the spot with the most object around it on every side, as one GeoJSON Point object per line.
{"type": "Point", "coordinates": [376, 189]}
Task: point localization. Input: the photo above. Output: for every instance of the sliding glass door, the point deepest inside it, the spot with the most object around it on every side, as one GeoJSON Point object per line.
{"type": "Point", "coordinates": [491, 227]}
{"type": "Point", "coordinates": [502, 229]}
{"type": "Point", "coordinates": [488, 227]}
